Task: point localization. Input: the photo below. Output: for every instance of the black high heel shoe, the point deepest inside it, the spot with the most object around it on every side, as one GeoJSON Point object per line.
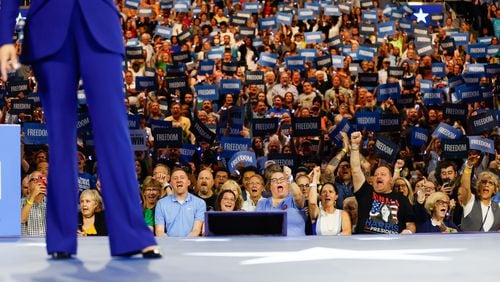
{"type": "Point", "coordinates": [60, 255]}
{"type": "Point", "coordinates": [151, 254]}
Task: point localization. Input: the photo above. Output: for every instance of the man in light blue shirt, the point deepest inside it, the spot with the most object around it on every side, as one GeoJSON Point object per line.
{"type": "Point", "coordinates": [180, 214]}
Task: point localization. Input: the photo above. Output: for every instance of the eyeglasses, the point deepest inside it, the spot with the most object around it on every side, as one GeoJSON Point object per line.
{"type": "Point", "coordinates": [278, 180]}
{"type": "Point", "coordinates": [37, 178]}
{"type": "Point", "coordinates": [441, 202]}
{"type": "Point", "coordinates": [344, 166]}
{"type": "Point", "coordinates": [484, 182]}
{"type": "Point", "coordinates": [304, 185]}
{"type": "Point", "coordinates": [149, 190]}
{"type": "Point", "coordinates": [254, 183]}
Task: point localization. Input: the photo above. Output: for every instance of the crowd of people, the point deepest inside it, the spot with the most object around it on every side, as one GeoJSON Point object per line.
{"type": "Point", "coordinates": [351, 117]}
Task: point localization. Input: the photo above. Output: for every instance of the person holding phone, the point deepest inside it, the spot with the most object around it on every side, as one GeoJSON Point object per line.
{"type": "Point", "coordinates": [34, 206]}
{"type": "Point", "coordinates": [65, 40]}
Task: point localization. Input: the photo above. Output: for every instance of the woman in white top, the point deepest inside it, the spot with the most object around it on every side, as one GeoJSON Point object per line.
{"type": "Point", "coordinates": [325, 218]}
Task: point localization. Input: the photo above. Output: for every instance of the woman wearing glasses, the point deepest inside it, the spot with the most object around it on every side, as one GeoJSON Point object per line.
{"type": "Point", "coordinates": [480, 212]}
{"type": "Point", "coordinates": [283, 199]}
{"type": "Point", "coordinates": [437, 206]}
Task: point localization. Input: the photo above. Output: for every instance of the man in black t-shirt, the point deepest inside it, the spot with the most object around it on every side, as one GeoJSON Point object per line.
{"type": "Point", "coordinates": [380, 209]}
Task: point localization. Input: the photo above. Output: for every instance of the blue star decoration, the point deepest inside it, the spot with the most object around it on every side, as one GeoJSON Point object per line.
{"type": "Point", "coordinates": [321, 253]}
{"type": "Point", "coordinates": [424, 12]}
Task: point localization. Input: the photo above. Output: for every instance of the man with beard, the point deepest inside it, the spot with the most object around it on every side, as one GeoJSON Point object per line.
{"type": "Point", "coordinates": [381, 210]}
{"type": "Point", "coordinates": [447, 177]}
{"type": "Point", "coordinates": [204, 188]}
{"type": "Point", "coordinates": [343, 183]}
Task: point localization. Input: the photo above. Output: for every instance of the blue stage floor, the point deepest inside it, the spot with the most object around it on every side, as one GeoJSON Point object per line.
{"type": "Point", "coordinates": [455, 257]}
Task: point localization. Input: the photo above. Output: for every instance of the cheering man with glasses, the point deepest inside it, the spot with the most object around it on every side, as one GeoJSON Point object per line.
{"type": "Point", "coordinates": [282, 199]}
{"type": "Point", "coordinates": [34, 206]}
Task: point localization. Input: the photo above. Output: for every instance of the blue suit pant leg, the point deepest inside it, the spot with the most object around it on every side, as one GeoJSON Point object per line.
{"type": "Point", "coordinates": [101, 73]}
{"type": "Point", "coordinates": [57, 83]}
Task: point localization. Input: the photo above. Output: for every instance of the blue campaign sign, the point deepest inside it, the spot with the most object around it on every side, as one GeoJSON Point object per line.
{"type": "Point", "coordinates": [215, 54]}
{"type": "Point", "coordinates": [187, 152]}
{"type": "Point", "coordinates": [367, 29]}
{"type": "Point", "coordinates": [368, 120]}
{"type": "Point", "coordinates": [438, 69]}
{"type": "Point", "coordinates": [366, 53]}
{"type": "Point", "coordinates": [481, 144]}
{"type": "Point", "coordinates": [335, 42]}
{"type": "Point", "coordinates": [386, 29]}
{"type": "Point", "coordinates": [166, 5]}
{"type": "Point", "coordinates": [433, 97]}
{"type": "Point", "coordinates": [35, 133]}
{"type": "Point", "coordinates": [419, 136]}
{"type": "Point", "coordinates": [306, 14]}
{"type": "Point", "coordinates": [159, 124]}
{"type": "Point", "coordinates": [324, 62]}
{"type": "Point", "coordinates": [230, 86]}
{"type": "Point", "coordinates": [405, 25]}
{"type": "Point", "coordinates": [344, 126]}
{"type": "Point", "coordinates": [386, 149]}
{"type": "Point", "coordinates": [492, 70]}
{"type": "Point", "coordinates": [268, 59]}
{"type": "Point", "coordinates": [425, 84]}
{"type": "Point", "coordinates": [168, 137]}
{"type": "Point", "coordinates": [247, 158]}
{"type": "Point", "coordinates": [370, 16]}
{"type": "Point", "coordinates": [181, 6]}
{"type": "Point", "coordinates": [145, 83]}
{"type": "Point", "coordinates": [207, 92]}
{"type": "Point", "coordinates": [139, 139]}
{"type": "Point", "coordinates": [483, 122]}
{"type": "Point", "coordinates": [295, 62]}
{"type": "Point", "coordinates": [314, 6]}
{"type": "Point", "coordinates": [284, 18]}
{"type": "Point", "coordinates": [337, 61]}
{"type": "Point", "coordinates": [133, 121]}
{"type": "Point", "coordinates": [445, 131]}
{"type": "Point", "coordinates": [388, 90]}
{"type": "Point", "coordinates": [469, 93]}
{"type": "Point", "coordinates": [475, 68]}
{"type": "Point", "coordinates": [313, 37]}
{"type": "Point", "coordinates": [477, 50]}
{"type": "Point", "coordinates": [83, 124]}
{"type": "Point", "coordinates": [252, 7]}
{"type": "Point", "coordinates": [485, 40]}
{"type": "Point", "coordinates": [455, 81]}
{"type": "Point", "coordinates": [132, 4]}
{"type": "Point", "coordinates": [493, 50]}
{"type": "Point", "coordinates": [455, 149]}
{"type": "Point", "coordinates": [424, 49]}
{"type": "Point", "coordinates": [460, 38]}
{"type": "Point", "coordinates": [397, 14]}
{"type": "Point", "coordinates": [309, 53]}
{"type": "Point", "coordinates": [206, 67]}
{"type": "Point", "coordinates": [345, 8]}
{"type": "Point", "coordinates": [133, 42]}
{"type": "Point", "coordinates": [267, 23]}
{"type": "Point", "coordinates": [232, 145]}
{"type": "Point", "coordinates": [331, 10]}
{"type": "Point", "coordinates": [366, 4]}
{"type": "Point", "coordinates": [10, 181]}
{"type": "Point", "coordinates": [471, 78]}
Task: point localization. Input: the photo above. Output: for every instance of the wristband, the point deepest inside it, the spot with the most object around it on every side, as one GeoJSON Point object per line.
{"type": "Point", "coordinates": [28, 202]}
{"type": "Point", "coordinates": [344, 150]}
{"type": "Point", "coordinates": [467, 171]}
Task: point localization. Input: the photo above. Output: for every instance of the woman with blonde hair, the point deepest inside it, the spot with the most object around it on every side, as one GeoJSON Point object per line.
{"type": "Point", "coordinates": [437, 206]}
{"type": "Point", "coordinates": [91, 216]}
{"type": "Point", "coordinates": [235, 187]}
{"type": "Point", "coordinates": [403, 186]}
{"type": "Point", "coordinates": [480, 212]}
